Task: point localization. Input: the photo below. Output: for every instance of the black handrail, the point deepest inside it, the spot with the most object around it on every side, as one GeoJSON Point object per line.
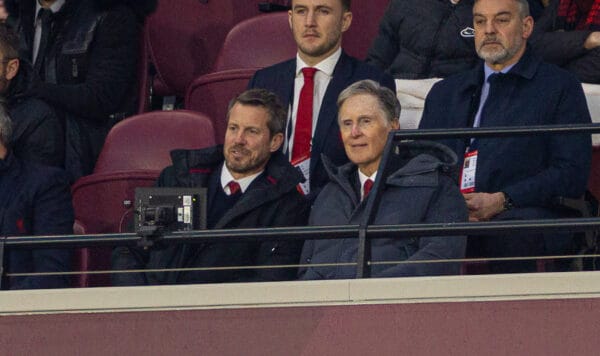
{"type": "Point", "coordinates": [312, 233]}
{"type": "Point", "coordinates": [499, 131]}
{"type": "Point", "coordinates": [364, 230]}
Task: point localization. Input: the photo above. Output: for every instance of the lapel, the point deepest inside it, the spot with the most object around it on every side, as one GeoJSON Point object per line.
{"type": "Point", "coordinates": [214, 183]}
{"type": "Point", "coordinates": [258, 193]}
{"type": "Point", "coordinates": [498, 101]}
{"type": "Point", "coordinates": [346, 177]}
{"type": "Point", "coordinates": [27, 17]}
{"type": "Point", "coordinates": [283, 85]}
{"type": "Point", "coordinates": [10, 170]}
{"type": "Point", "coordinates": [284, 80]}
{"type": "Point", "coordinates": [473, 85]}
{"type": "Point", "coordinates": [327, 121]}
{"type": "Point", "coordinates": [278, 179]}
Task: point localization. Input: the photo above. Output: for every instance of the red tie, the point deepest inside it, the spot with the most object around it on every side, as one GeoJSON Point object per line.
{"type": "Point", "coordinates": [303, 130]}
{"type": "Point", "coordinates": [367, 187]}
{"type": "Point", "coordinates": [234, 187]}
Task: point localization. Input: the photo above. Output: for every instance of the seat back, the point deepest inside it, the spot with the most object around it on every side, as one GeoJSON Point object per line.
{"type": "Point", "coordinates": [257, 42]}
{"type": "Point", "coordinates": [103, 203]}
{"type": "Point", "coordinates": [184, 38]}
{"type": "Point", "coordinates": [135, 152]}
{"type": "Point", "coordinates": [143, 142]}
{"type": "Point", "coordinates": [212, 92]}
{"type": "Point", "coordinates": [366, 16]}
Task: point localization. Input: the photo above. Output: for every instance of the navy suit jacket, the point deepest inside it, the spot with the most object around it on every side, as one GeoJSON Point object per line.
{"type": "Point", "coordinates": [532, 170]}
{"type": "Point", "coordinates": [279, 79]}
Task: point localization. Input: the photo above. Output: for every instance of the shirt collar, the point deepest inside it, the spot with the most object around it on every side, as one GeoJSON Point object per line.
{"type": "Point", "coordinates": [363, 177]}
{"type": "Point", "coordinates": [489, 71]}
{"type": "Point", "coordinates": [526, 67]}
{"type": "Point", "coordinates": [326, 66]}
{"type": "Point", "coordinates": [244, 183]}
{"type": "Point", "coordinates": [55, 7]}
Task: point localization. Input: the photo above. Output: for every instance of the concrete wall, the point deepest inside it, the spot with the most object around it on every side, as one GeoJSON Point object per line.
{"type": "Point", "coordinates": [537, 314]}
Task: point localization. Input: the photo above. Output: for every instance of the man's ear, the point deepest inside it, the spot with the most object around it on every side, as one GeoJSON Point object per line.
{"type": "Point", "coordinates": [528, 24]}
{"type": "Point", "coordinates": [12, 68]}
{"type": "Point", "coordinates": [346, 20]}
{"type": "Point", "coordinates": [276, 142]}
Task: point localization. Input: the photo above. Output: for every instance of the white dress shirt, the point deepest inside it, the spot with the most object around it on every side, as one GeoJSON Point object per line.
{"type": "Point", "coordinates": [363, 178]}
{"type": "Point", "coordinates": [322, 78]}
{"type": "Point", "coordinates": [244, 183]}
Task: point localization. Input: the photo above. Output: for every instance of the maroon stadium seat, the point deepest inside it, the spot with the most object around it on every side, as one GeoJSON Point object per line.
{"type": "Point", "coordinates": [212, 92]}
{"type": "Point", "coordinates": [143, 142]}
{"type": "Point", "coordinates": [135, 152]}
{"type": "Point", "coordinates": [257, 42]}
{"type": "Point", "coordinates": [184, 38]}
{"type": "Point", "coordinates": [366, 16]}
{"type": "Point", "coordinates": [103, 203]}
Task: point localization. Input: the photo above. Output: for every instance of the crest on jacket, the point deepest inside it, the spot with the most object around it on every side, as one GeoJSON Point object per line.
{"type": "Point", "coordinates": [467, 32]}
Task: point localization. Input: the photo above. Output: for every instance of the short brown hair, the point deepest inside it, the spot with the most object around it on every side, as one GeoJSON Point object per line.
{"type": "Point", "coordinates": [267, 100]}
{"type": "Point", "coordinates": [345, 4]}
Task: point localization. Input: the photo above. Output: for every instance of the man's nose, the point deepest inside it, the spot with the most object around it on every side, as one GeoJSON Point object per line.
{"type": "Point", "coordinates": [356, 131]}
{"type": "Point", "coordinates": [240, 137]}
{"type": "Point", "coordinates": [490, 27]}
{"type": "Point", "coordinates": [310, 19]}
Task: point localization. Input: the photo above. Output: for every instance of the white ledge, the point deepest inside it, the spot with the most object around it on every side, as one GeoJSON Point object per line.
{"type": "Point", "coordinates": [304, 293]}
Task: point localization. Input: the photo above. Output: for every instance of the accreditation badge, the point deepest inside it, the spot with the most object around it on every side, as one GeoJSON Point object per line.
{"type": "Point", "coordinates": [303, 164]}
{"type": "Point", "coordinates": [467, 174]}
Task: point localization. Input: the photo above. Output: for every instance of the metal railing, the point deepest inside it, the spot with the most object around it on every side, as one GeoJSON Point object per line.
{"type": "Point", "coordinates": [364, 230]}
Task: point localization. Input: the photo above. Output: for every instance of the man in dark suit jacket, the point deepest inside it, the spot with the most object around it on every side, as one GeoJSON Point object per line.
{"type": "Point", "coordinates": [250, 184]}
{"type": "Point", "coordinates": [317, 27]}
{"type": "Point", "coordinates": [513, 177]}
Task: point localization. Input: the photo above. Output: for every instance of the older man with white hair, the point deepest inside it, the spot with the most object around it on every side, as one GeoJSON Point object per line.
{"type": "Point", "coordinates": [416, 189]}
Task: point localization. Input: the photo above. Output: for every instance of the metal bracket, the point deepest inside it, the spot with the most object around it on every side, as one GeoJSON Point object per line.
{"type": "Point", "coordinates": [150, 235]}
